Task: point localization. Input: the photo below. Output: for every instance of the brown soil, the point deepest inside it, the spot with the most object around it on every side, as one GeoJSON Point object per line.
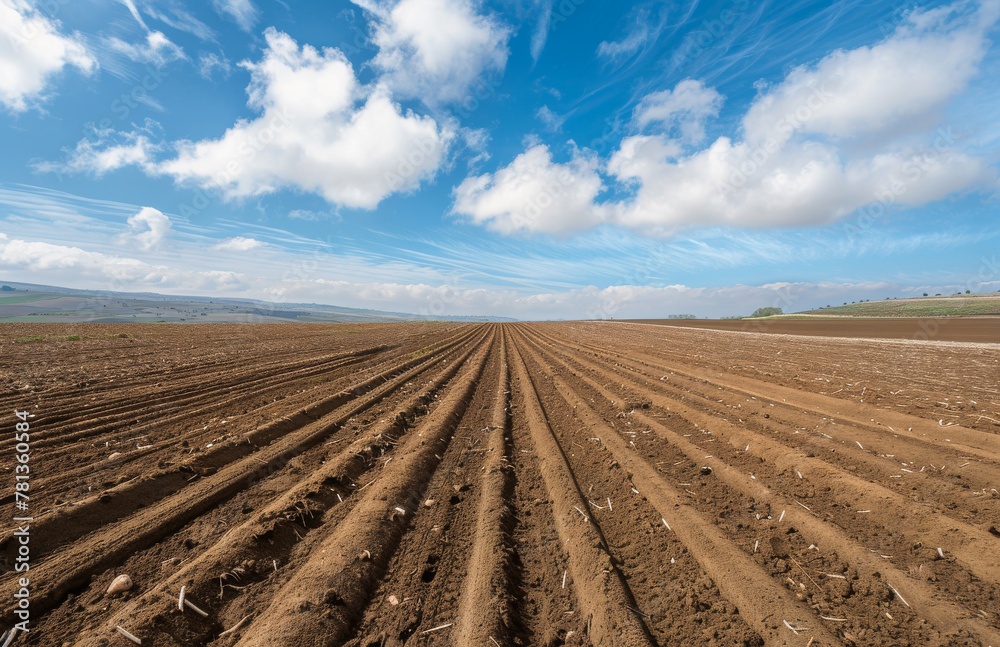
{"type": "Point", "coordinates": [965, 329]}
{"type": "Point", "coordinates": [503, 484]}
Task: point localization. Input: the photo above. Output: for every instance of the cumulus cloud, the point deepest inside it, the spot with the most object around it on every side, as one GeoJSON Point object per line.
{"type": "Point", "coordinates": [33, 49]}
{"type": "Point", "coordinates": [157, 49]}
{"type": "Point", "coordinates": [533, 193]}
{"type": "Point", "coordinates": [319, 130]}
{"type": "Point", "coordinates": [435, 50]}
{"type": "Point", "coordinates": [685, 109]}
{"type": "Point", "coordinates": [237, 244]}
{"type": "Point", "coordinates": [854, 130]}
{"type": "Point", "coordinates": [926, 62]}
{"type": "Point", "coordinates": [798, 184]}
{"type": "Point", "coordinates": [243, 12]}
{"type": "Point", "coordinates": [146, 229]}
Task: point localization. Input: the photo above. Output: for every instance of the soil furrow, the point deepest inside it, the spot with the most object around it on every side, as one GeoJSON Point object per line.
{"type": "Point", "coordinates": [69, 568]}
{"type": "Point", "coordinates": [943, 615]}
{"type": "Point", "coordinates": [504, 485]}
{"type": "Point", "coordinates": [270, 535]}
{"type": "Point", "coordinates": [322, 601]}
{"type": "Point", "coordinates": [603, 594]}
{"type": "Point", "coordinates": [484, 614]}
{"type": "Point", "coordinates": [766, 605]}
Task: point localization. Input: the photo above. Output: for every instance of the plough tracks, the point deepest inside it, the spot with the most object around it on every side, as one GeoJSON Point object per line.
{"type": "Point", "coordinates": [501, 484]}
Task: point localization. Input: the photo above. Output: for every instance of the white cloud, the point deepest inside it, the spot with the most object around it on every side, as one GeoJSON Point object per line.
{"type": "Point", "coordinates": [917, 70]}
{"type": "Point", "coordinates": [208, 63]}
{"type": "Point", "coordinates": [314, 216]}
{"type": "Point", "coordinates": [242, 11]}
{"type": "Point", "coordinates": [800, 184]}
{"type": "Point", "coordinates": [147, 229]}
{"type": "Point", "coordinates": [686, 108]}
{"type": "Point", "coordinates": [541, 33]}
{"type": "Point", "coordinates": [130, 4]}
{"type": "Point", "coordinates": [435, 50]}
{"type": "Point", "coordinates": [551, 120]}
{"type": "Point", "coordinates": [319, 131]}
{"type": "Point", "coordinates": [534, 194]}
{"type": "Point", "coordinates": [237, 244]}
{"type": "Point", "coordinates": [107, 150]}
{"type": "Point", "coordinates": [72, 265]}
{"type": "Point", "coordinates": [626, 47]}
{"type": "Point", "coordinates": [157, 50]}
{"type": "Point", "coordinates": [645, 30]}
{"type": "Point", "coordinates": [178, 18]}
{"type": "Point", "coordinates": [855, 130]}
{"type": "Point", "coordinates": [68, 240]}
{"type": "Point", "coordinates": [32, 50]}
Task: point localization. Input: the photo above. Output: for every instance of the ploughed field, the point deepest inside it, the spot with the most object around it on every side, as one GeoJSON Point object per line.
{"type": "Point", "coordinates": [502, 484]}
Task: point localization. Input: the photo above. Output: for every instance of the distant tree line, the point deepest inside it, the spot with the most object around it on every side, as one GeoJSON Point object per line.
{"type": "Point", "coordinates": [766, 312]}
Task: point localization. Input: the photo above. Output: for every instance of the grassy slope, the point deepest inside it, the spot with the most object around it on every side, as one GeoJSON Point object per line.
{"type": "Point", "coordinates": [25, 298]}
{"type": "Point", "coordinates": [943, 306]}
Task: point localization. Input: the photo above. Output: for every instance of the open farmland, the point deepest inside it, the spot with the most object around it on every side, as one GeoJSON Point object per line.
{"type": "Point", "coordinates": [503, 484]}
{"type": "Point", "coordinates": [966, 329]}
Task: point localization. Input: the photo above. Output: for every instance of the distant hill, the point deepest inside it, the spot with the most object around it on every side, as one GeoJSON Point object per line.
{"type": "Point", "coordinates": [929, 306]}
{"type": "Point", "coordinates": [27, 302]}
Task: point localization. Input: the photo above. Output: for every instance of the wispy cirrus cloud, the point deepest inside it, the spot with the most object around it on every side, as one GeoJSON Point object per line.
{"type": "Point", "coordinates": [646, 24]}
{"type": "Point", "coordinates": [73, 266]}
{"type": "Point", "coordinates": [607, 271]}
{"type": "Point", "coordinates": [243, 12]}
{"type": "Point", "coordinates": [541, 33]}
{"type": "Point", "coordinates": [157, 49]}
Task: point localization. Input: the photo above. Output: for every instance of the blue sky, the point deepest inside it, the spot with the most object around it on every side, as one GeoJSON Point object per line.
{"type": "Point", "coordinates": [531, 158]}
